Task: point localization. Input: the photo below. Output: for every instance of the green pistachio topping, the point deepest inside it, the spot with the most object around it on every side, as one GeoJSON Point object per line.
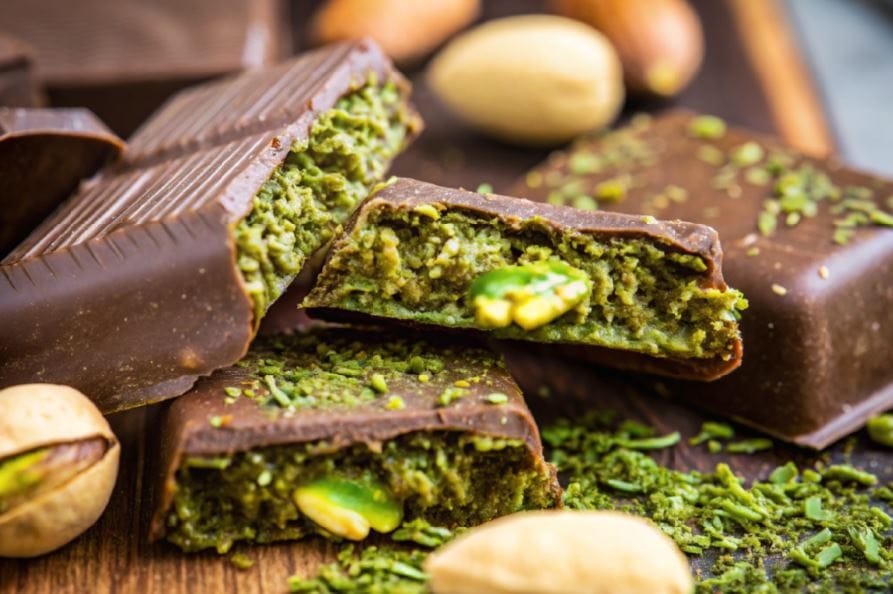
{"type": "Point", "coordinates": [529, 295]}
{"type": "Point", "coordinates": [707, 126]}
{"type": "Point", "coordinates": [880, 429]}
{"type": "Point", "coordinates": [349, 508]}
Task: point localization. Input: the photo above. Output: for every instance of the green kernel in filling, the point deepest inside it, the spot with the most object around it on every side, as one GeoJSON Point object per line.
{"type": "Point", "coordinates": [644, 296]}
{"type": "Point", "coordinates": [321, 181]}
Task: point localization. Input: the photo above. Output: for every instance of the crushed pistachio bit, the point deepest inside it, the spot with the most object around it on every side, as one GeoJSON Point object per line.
{"type": "Point", "coordinates": [241, 561]}
{"type": "Point", "coordinates": [497, 398]}
{"type": "Point", "coordinates": [711, 155]}
{"type": "Point", "coordinates": [752, 251]}
{"type": "Point", "coordinates": [779, 290]}
{"type": "Point", "coordinates": [233, 392]}
{"type": "Point", "coordinates": [484, 188]}
{"type": "Point", "coordinates": [749, 446]}
{"type": "Point", "coordinates": [378, 383]}
{"type": "Point", "coordinates": [376, 569]}
{"type": "Point", "coordinates": [712, 430]}
{"type": "Point", "coordinates": [530, 295]}
{"type": "Point", "coordinates": [395, 403]}
{"type": "Point", "coordinates": [794, 532]}
{"type": "Point", "coordinates": [421, 532]}
{"type": "Point", "coordinates": [450, 395]}
{"type": "Point", "coordinates": [427, 210]}
{"type": "Point", "coordinates": [747, 154]}
{"type": "Point", "coordinates": [880, 429]}
{"type": "Point", "coordinates": [707, 127]}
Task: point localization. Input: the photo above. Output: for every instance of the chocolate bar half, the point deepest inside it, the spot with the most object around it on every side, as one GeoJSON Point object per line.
{"type": "Point", "coordinates": [340, 432]}
{"type": "Point", "coordinates": [159, 270]}
{"type": "Point", "coordinates": [44, 155]}
{"type": "Point", "coordinates": [807, 240]}
{"type": "Point", "coordinates": [122, 59]}
{"type": "Point", "coordinates": [630, 291]}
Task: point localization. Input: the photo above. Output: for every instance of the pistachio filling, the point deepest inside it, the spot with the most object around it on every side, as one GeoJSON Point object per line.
{"type": "Point", "coordinates": [29, 474]}
{"type": "Point", "coordinates": [321, 181]}
{"type": "Point", "coordinates": [421, 265]}
{"type": "Point", "coordinates": [288, 492]}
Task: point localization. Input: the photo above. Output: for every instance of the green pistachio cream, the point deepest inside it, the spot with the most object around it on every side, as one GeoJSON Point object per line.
{"type": "Point", "coordinates": [447, 478]}
{"type": "Point", "coordinates": [455, 268]}
{"type": "Point", "coordinates": [312, 193]}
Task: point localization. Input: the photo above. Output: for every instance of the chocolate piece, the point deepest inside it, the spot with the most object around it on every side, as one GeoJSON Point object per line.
{"type": "Point", "coordinates": [821, 313]}
{"type": "Point", "coordinates": [437, 426]}
{"type": "Point", "coordinates": [122, 59]}
{"type": "Point", "coordinates": [17, 85]}
{"type": "Point", "coordinates": [165, 265]}
{"type": "Point", "coordinates": [44, 154]}
{"type": "Point", "coordinates": [423, 254]}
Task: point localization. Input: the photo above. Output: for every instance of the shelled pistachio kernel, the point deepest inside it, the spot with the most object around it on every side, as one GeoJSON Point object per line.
{"type": "Point", "coordinates": [349, 507]}
{"type": "Point", "coordinates": [531, 295]}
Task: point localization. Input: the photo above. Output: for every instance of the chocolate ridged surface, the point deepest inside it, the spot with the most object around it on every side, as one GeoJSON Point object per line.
{"type": "Point", "coordinates": [243, 424]}
{"type": "Point", "coordinates": [405, 195]}
{"type": "Point", "coordinates": [123, 58]}
{"type": "Point", "coordinates": [140, 263]}
{"type": "Point", "coordinates": [821, 312]}
{"type": "Point", "coordinates": [44, 155]}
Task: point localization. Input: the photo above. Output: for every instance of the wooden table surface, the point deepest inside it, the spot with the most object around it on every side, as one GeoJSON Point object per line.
{"type": "Point", "coordinates": [753, 76]}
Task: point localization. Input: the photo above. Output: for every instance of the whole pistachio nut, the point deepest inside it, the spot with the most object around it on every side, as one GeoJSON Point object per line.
{"type": "Point", "coordinates": [530, 295]}
{"type": "Point", "coordinates": [58, 464]}
{"type": "Point", "coordinates": [349, 507]}
{"type": "Point", "coordinates": [558, 551]}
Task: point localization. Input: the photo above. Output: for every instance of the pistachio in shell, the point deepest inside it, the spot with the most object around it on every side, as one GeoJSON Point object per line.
{"type": "Point", "coordinates": [58, 465]}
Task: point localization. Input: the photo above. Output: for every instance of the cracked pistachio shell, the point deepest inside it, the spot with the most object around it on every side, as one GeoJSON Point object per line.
{"type": "Point", "coordinates": [535, 80]}
{"type": "Point", "coordinates": [561, 551]}
{"type": "Point", "coordinates": [37, 415]}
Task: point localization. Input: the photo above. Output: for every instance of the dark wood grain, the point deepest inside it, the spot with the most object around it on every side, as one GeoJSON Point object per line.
{"type": "Point", "coordinates": [114, 555]}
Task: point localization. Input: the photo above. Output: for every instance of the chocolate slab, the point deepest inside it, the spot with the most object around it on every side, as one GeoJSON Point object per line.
{"type": "Point", "coordinates": [406, 194]}
{"type": "Point", "coordinates": [821, 314]}
{"type": "Point", "coordinates": [44, 155]}
{"type": "Point", "coordinates": [122, 59]}
{"type": "Point", "coordinates": [17, 85]}
{"type": "Point", "coordinates": [131, 290]}
{"type": "Point", "coordinates": [247, 425]}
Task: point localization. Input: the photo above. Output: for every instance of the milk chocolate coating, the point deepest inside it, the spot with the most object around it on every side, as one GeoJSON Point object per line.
{"type": "Point", "coordinates": [819, 349]}
{"type": "Point", "coordinates": [44, 155]}
{"type": "Point", "coordinates": [406, 194]}
{"type": "Point", "coordinates": [130, 291]}
{"type": "Point", "coordinates": [122, 59]}
{"type": "Point", "coordinates": [187, 431]}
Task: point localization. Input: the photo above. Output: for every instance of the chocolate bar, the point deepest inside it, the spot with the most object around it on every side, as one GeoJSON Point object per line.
{"type": "Point", "coordinates": [122, 59]}
{"type": "Point", "coordinates": [44, 155]}
{"type": "Point", "coordinates": [165, 264]}
{"type": "Point", "coordinates": [634, 291]}
{"type": "Point", "coordinates": [17, 85]}
{"type": "Point", "coordinates": [339, 432]}
{"type": "Point", "coordinates": [807, 241]}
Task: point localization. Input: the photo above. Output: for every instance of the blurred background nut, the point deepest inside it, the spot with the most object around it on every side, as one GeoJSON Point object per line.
{"type": "Point", "coordinates": [660, 42]}
{"type": "Point", "coordinates": [407, 30]}
{"type": "Point", "coordinates": [58, 464]}
{"type": "Point", "coordinates": [535, 79]}
{"type": "Point", "coordinates": [549, 552]}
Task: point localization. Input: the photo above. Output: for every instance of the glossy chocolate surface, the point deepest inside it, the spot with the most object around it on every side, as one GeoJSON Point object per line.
{"type": "Point", "coordinates": [130, 291]}
{"type": "Point", "coordinates": [44, 155]}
